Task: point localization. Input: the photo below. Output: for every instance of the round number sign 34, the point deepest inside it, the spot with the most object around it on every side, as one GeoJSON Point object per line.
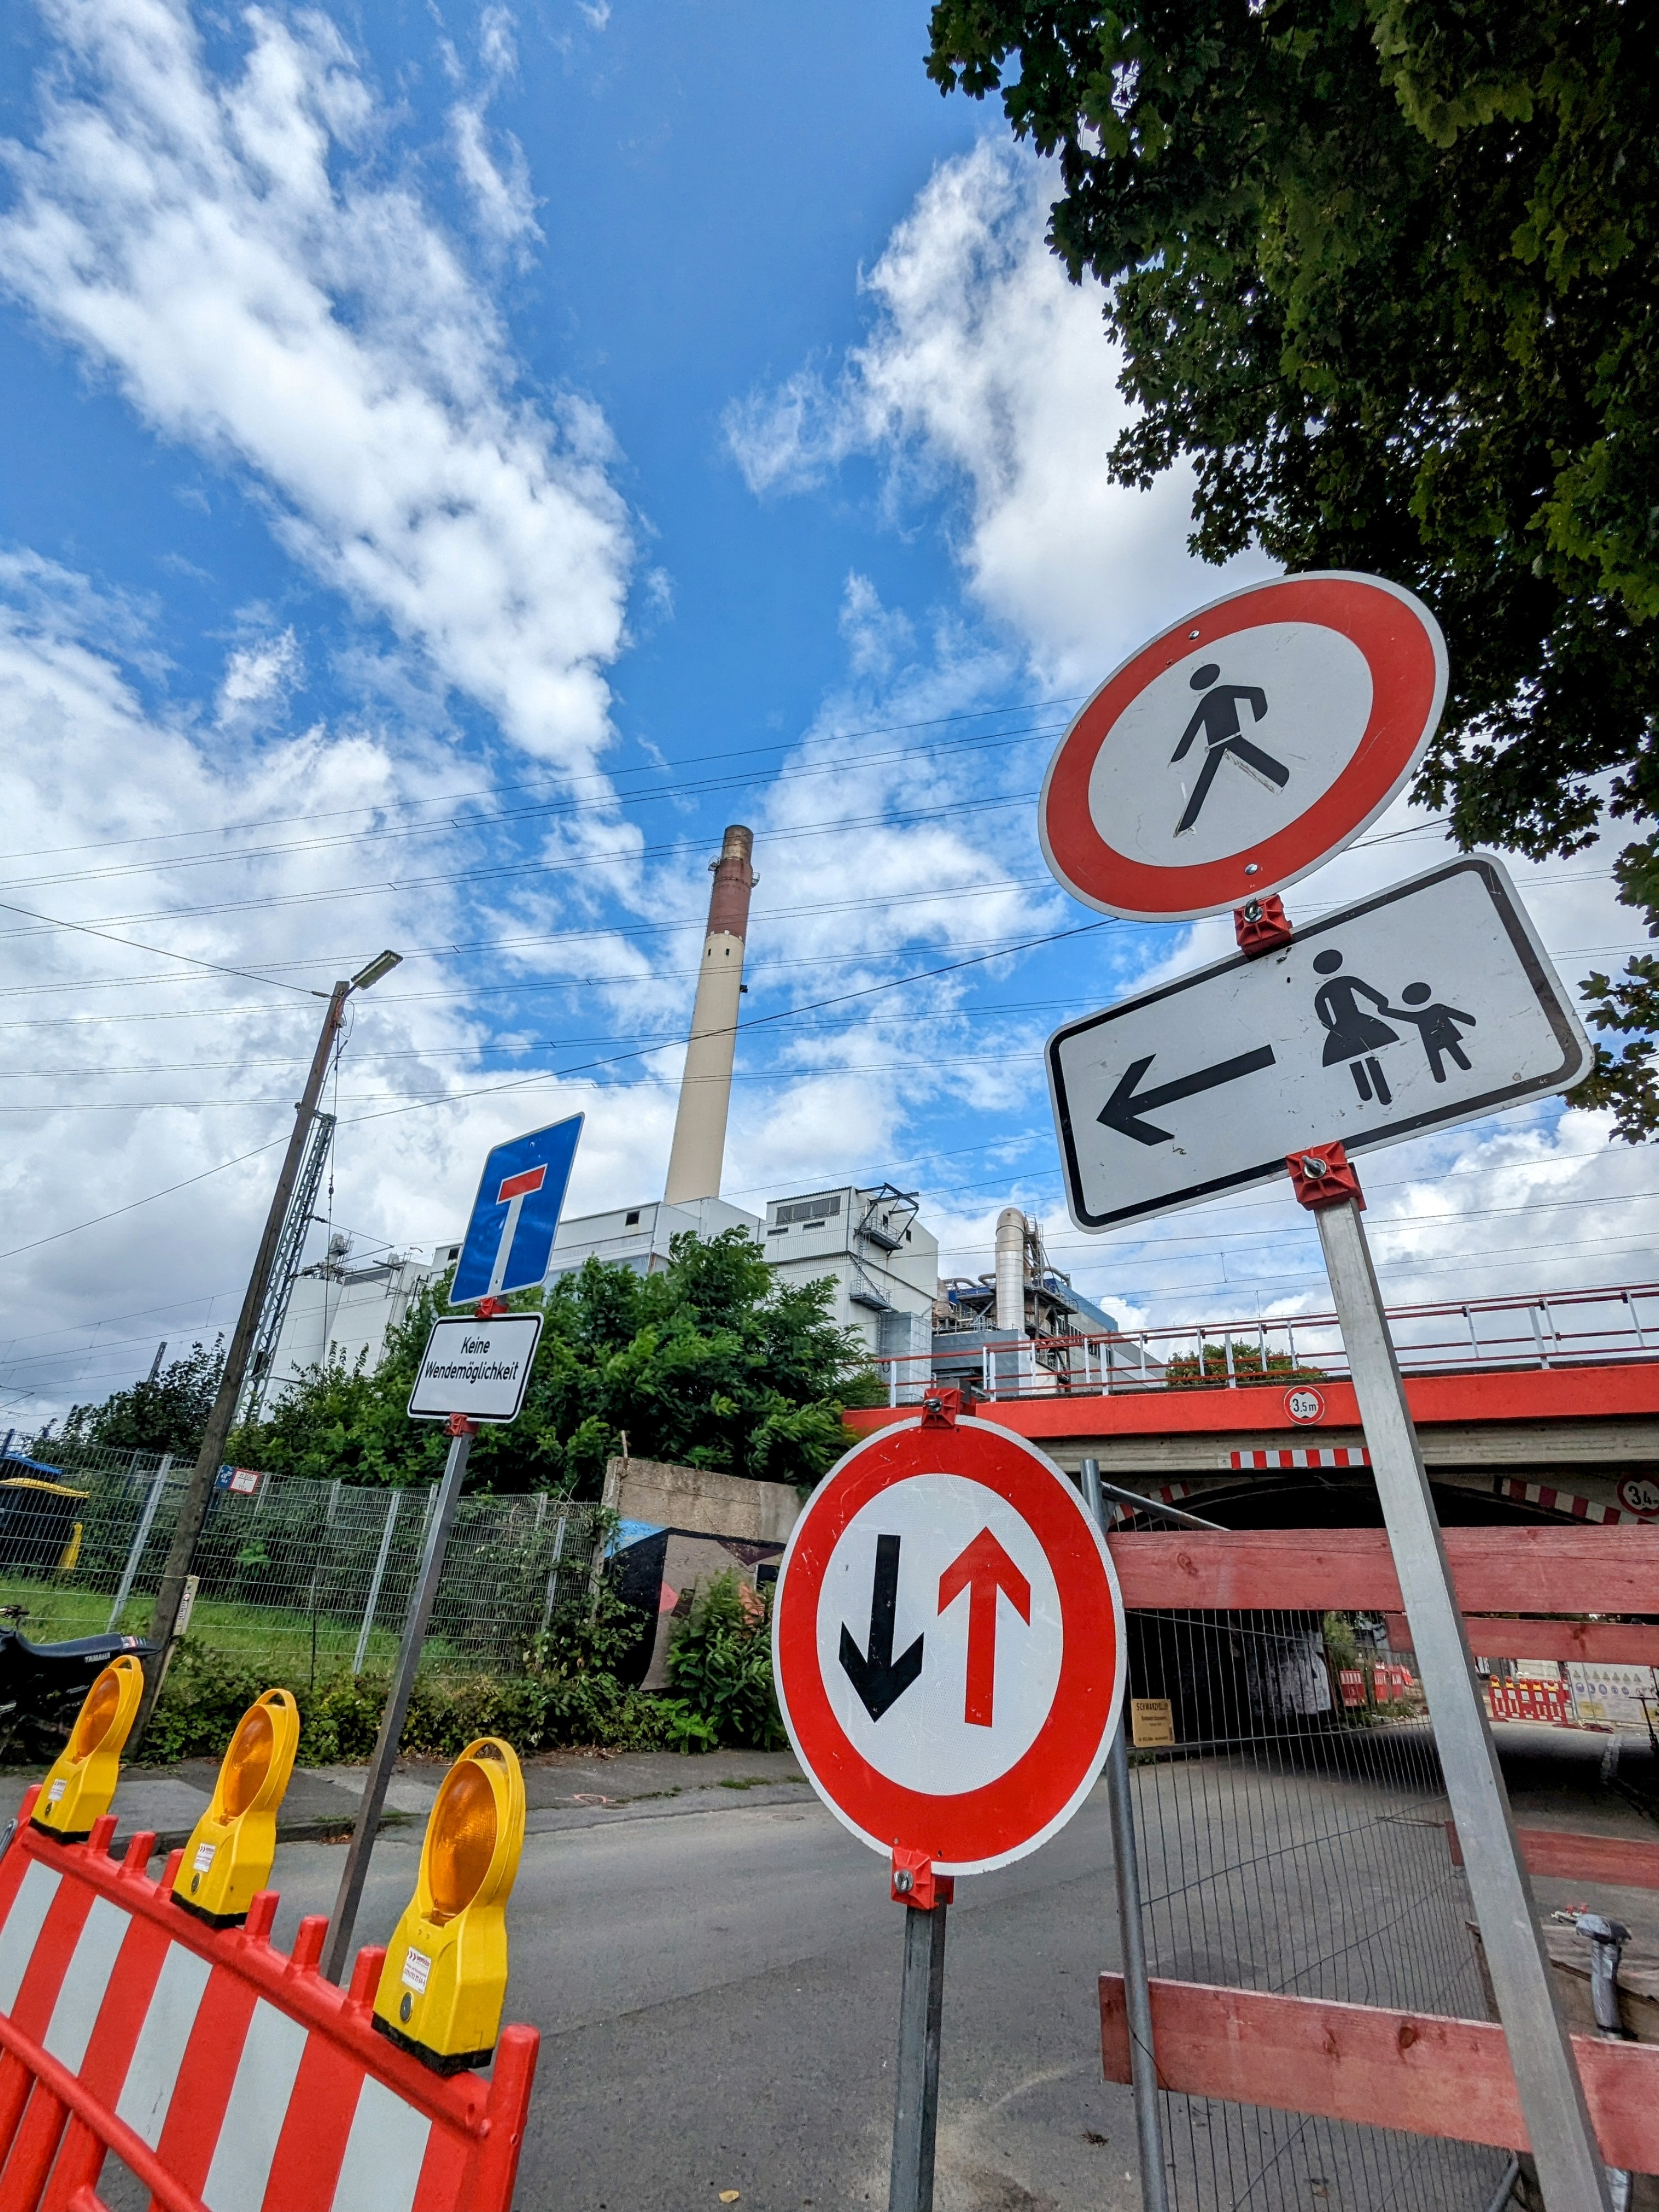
{"type": "Point", "coordinates": [948, 1641]}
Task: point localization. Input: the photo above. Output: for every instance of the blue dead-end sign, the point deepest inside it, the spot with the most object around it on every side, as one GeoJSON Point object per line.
{"type": "Point", "coordinates": [515, 1215]}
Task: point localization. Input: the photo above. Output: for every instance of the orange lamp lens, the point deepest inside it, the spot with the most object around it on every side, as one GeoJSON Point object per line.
{"type": "Point", "coordinates": [248, 1762]}
{"type": "Point", "coordinates": [463, 1841]}
{"type": "Point", "coordinates": [96, 1716]}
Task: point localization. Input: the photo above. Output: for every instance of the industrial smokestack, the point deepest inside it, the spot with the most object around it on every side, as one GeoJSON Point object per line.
{"type": "Point", "coordinates": [699, 1147]}
{"type": "Point", "coordinates": [1011, 1268]}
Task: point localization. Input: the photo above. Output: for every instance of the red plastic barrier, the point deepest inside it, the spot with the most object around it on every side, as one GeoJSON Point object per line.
{"type": "Point", "coordinates": [214, 2067]}
{"type": "Point", "coordinates": [1525, 1698]}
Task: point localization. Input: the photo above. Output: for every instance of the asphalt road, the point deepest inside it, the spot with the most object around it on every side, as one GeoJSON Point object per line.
{"type": "Point", "coordinates": [713, 1964]}
{"type": "Point", "coordinates": [717, 1984]}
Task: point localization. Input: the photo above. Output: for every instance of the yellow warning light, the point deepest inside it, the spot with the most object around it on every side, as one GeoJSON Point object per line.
{"type": "Point", "coordinates": [444, 1977]}
{"type": "Point", "coordinates": [229, 1853]}
{"type": "Point", "coordinates": [78, 1789]}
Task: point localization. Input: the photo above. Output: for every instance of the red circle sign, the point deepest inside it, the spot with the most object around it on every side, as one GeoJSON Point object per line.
{"type": "Point", "coordinates": [1305, 1403]}
{"type": "Point", "coordinates": [948, 1642]}
{"type": "Point", "coordinates": [1247, 744]}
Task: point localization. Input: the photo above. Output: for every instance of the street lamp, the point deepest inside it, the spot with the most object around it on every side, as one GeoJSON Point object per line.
{"type": "Point", "coordinates": [193, 1512]}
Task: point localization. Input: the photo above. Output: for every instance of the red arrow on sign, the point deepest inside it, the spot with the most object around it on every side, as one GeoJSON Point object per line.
{"type": "Point", "coordinates": [983, 1569]}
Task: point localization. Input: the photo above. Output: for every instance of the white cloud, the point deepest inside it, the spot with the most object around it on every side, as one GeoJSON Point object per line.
{"type": "Point", "coordinates": [129, 1072]}
{"type": "Point", "coordinates": [987, 372]}
{"type": "Point", "coordinates": [209, 243]}
{"type": "Point", "coordinates": [502, 196]}
{"type": "Point", "coordinates": [503, 202]}
{"type": "Point", "coordinates": [258, 676]}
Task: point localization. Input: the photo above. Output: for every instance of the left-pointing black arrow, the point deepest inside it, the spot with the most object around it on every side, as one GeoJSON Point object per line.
{"type": "Point", "coordinates": [880, 1679]}
{"type": "Point", "coordinates": [1123, 1110]}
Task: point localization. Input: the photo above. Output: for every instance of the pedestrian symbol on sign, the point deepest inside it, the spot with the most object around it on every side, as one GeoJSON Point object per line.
{"type": "Point", "coordinates": [1216, 715]}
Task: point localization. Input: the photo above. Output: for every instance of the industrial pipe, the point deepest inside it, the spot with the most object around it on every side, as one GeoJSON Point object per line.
{"type": "Point", "coordinates": [1011, 1269]}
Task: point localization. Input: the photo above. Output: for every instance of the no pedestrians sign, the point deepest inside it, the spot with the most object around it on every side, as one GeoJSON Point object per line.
{"type": "Point", "coordinates": [949, 1644]}
{"type": "Point", "coordinates": [1251, 741]}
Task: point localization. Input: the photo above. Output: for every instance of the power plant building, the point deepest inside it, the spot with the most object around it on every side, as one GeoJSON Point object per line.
{"type": "Point", "coordinates": [884, 1263]}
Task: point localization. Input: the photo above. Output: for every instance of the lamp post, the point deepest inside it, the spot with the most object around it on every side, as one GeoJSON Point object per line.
{"type": "Point", "coordinates": [198, 1496]}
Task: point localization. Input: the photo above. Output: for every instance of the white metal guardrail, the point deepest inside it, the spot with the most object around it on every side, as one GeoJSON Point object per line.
{"type": "Point", "coordinates": [1562, 1328]}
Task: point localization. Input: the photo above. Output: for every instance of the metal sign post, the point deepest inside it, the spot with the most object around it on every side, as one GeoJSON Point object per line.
{"type": "Point", "coordinates": [474, 1369]}
{"type": "Point", "coordinates": [1570, 2168]}
{"type": "Point", "coordinates": [916, 2098]}
{"type": "Point", "coordinates": [336, 1956]}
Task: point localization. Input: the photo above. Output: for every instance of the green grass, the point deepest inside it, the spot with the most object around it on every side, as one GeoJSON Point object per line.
{"type": "Point", "coordinates": [275, 1638]}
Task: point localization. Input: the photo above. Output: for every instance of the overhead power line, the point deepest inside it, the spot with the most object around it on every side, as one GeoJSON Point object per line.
{"type": "Point", "coordinates": [606, 777]}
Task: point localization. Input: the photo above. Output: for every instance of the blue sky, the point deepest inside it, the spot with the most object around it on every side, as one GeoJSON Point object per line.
{"type": "Point", "coordinates": [456, 460]}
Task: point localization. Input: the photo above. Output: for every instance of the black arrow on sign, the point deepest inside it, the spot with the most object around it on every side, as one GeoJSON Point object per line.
{"type": "Point", "coordinates": [880, 1679]}
{"type": "Point", "coordinates": [1125, 1105]}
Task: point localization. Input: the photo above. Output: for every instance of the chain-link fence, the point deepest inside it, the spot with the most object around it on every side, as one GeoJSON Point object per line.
{"type": "Point", "coordinates": [1294, 1844]}
{"type": "Point", "coordinates": [306, 1579]}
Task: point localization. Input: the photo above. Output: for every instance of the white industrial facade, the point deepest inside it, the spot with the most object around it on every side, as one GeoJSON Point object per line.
{"type": "Point", "coordinates": [884, 1263]}
{"type": "Point", "coordinates": [339, 1312]}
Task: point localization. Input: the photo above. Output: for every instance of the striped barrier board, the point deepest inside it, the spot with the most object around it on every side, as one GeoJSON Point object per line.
{"type": "Point", "coordinates": [1523, 1697]}
{"type": "Point", "coordinates": [225, 2077]}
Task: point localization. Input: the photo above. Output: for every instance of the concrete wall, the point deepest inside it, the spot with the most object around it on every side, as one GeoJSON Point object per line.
{"type": "Point", "coordinates": [667, 1496]}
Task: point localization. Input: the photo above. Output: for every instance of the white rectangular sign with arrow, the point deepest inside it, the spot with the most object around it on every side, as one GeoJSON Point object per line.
{"type": "Point", "coordinates": [1431, 1003]}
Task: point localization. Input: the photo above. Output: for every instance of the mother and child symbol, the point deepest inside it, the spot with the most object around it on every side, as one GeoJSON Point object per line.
{"type": "Point", "coordinates": [1357, 1038]}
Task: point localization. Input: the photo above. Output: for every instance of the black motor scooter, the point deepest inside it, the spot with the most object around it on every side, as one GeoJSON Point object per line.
{"type": "Point", "coordinates": [42, 1685]}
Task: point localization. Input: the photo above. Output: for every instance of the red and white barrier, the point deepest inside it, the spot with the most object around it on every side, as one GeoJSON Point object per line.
{"type": "Point", "coordinates": [226, 2076]}
{"type": "Point", "coordinates": [1527, 1697]}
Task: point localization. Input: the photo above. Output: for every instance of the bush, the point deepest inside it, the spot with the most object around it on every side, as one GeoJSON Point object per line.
{"type": "Point", "coordinates": [568, 1695]}
{"type": "Point", "coordinates": [720, 1662]}
{"type": "Point", "coordinates": [1182, 1371]}
{"type": "Point", "coordinates": [206, 1694]}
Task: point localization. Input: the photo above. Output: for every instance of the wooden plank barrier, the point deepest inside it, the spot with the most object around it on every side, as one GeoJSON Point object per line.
{"type": "Point", "coordinates": [1573, 1855]}
{"type": "Point", "coordinates": [220, 2072]}
{"type": "Point", "coordinates": [1606, 1643]}
{"type": "Point", "coordinates": [1367, 2063]}
{"type": "Point", "coordinates": [1423, 2073]}
{"type": "Point", "coordinates": [1537, 1570]}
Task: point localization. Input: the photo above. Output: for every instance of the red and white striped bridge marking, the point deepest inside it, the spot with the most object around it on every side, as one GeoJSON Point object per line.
{"type": "Point", "coordinates": [1305, 1456]}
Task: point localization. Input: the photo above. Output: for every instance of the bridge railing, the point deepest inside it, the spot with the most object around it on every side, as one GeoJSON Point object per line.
{"type": "Point", "coordinates": [1559, 1329]}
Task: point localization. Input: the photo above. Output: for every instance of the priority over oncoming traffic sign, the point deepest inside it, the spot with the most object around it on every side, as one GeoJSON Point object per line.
{"type": "Point", "coordinates": [1431, 1003]}
{"type": "Point", "coordinates": [948, 1640]}
{"type": "Point", "coordinates": [1248, 743]}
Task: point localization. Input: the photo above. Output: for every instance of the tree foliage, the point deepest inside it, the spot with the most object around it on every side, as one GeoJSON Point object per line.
{"type": "Point", "coordinates": [1383, 274]}
{"type": "Point", "coordinates": [713, 1362]}
{"type": "Point", "coordinates": [166, 1412]}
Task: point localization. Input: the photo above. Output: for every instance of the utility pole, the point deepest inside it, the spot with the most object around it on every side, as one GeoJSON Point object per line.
{"type": "Point", "coordinates": [198, 1496]}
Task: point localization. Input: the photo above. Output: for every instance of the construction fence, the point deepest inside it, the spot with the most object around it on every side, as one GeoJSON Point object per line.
{"type": "Point", "coordinates": [1295, 1844]}
{"type": "Point", "coordinates": [306, 1579]}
